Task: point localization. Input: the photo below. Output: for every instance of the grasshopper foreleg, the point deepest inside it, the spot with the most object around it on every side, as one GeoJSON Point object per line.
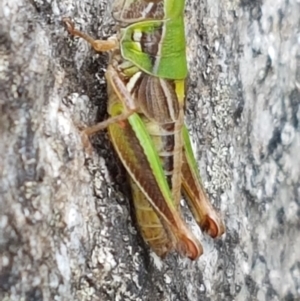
{"type": "Point", "coordinates": [98, 45]}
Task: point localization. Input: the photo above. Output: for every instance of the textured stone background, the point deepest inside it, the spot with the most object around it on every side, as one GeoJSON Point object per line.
{"type": "Point", "coordinates": [67, 231]}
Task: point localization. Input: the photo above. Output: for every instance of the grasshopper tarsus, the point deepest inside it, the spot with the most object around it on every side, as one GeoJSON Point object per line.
{"type": "Point", "coordinates": [87, 146]}
{"type": "Point", "coordinates": [69, 24]}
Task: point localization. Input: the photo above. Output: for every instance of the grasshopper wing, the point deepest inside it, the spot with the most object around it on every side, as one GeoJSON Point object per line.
{"type": "Point", "coordinates": [137, 152]}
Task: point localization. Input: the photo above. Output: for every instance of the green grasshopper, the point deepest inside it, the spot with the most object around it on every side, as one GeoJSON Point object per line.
{"type": "Point", "coordinates": [146, 84]}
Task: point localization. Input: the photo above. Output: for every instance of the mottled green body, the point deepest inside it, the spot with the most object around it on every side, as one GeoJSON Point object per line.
{"type": "Point", "coordinates": [146, 89]}
{"type": "Point", "coordinates": [162, 165]}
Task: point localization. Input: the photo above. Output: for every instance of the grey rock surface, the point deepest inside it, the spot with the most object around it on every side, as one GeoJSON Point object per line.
{"type": "Point", "coordinates": [67, 228]}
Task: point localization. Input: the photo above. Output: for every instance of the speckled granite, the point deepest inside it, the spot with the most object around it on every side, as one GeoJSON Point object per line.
{"type": "Point", "coordinates": [67, 232]}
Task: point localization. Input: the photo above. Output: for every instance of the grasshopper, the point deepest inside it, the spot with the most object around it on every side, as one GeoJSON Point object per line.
{"type": "Point", "coordinates": [146, 86]}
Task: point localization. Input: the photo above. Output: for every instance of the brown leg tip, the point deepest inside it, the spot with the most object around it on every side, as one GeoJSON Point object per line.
{"type": "Point", "coordinates": [69, 24]}
{"type": "Point", "coordinates": [88, 148]}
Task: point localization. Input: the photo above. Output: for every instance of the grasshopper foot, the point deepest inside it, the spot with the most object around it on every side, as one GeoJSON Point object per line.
{"type": "Point", "coordinates": [87, 146]}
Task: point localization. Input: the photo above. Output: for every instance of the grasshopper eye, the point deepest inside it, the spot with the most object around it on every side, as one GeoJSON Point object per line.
{"type": "Point", "coordinates": [137, 36]}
